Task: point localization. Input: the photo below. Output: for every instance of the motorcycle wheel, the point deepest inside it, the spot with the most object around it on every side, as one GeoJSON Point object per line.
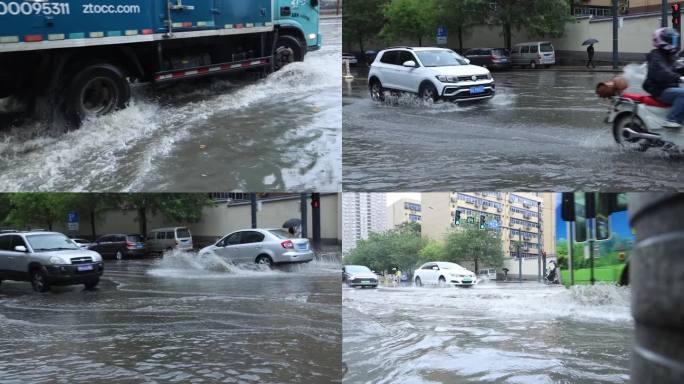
{"type": "Point", "coordinates": [629, 121]}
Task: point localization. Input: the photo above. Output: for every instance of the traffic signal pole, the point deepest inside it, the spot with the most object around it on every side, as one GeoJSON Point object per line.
{"type": "Point", "coordinates": [663, 14]}
{"type": "Point", "coordinates": [615, 33]}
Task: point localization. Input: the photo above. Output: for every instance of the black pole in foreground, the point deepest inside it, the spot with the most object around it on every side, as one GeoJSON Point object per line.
{"type": "Point", "coordinates": [663, 14]}
{"type": "Point", "coordinates": [305, 215]}
{"type": "Point", "coordinates": [615, 33]}
{"type": "Point", "coordinates": [656, 268]}
{"type": "Point", "coordinates": [253, 201]}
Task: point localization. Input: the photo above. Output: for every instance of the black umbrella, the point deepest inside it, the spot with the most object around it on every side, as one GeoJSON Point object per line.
{"type": "Point", "coordinates": [292, 223]}
{"type": "Point", "coordinates": [590, 41]}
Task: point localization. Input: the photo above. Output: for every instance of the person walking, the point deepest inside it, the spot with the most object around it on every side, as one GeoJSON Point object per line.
{"type": "Point", "coordinates": [590, 55]}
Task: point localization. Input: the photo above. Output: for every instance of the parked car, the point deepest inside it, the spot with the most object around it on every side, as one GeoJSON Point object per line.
{"type": "Point", "coordinates": [120, 246]}
{"type": "Point", "coordinates": [166, 239]}
{"type": "Point", "coordinates": [46, 259]}
{"type": "Point", "coordinates": [533, 54]}
{"type": "Point", "coordinates": [443, 273]}
{"type": "Point", "coordinates": [350, 58]}
{"type": "Point", "coordinates": [359, 276]}
{"type": "Point", "coordinates": [83, 243]}
{"type": "Point", "coordinates": [432, 73]}
{"type": "Point", "coordinates": [261, 246]}
{"type": "Point", "coordinates": [491, 58]}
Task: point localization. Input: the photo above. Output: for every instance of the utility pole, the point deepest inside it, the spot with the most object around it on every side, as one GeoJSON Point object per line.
{"type": "Point", "coordinates": [663, 14]}
{"type": "Point", "coordinates": [571, 249]}
{"type": "Point", "coordinates": [253, 201]}
{"type": "Point", "coordinates": [540, 246]}
{"type": "Point", "coordinates": [305, 216]}
{"type": "Point", "coordinates": [615, 33]}
{"type": "Point", "coordinates": [519, 256]}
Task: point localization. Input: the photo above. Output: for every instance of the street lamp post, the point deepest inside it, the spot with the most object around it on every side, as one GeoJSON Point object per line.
{"type": "Point", "coordinates": [615, 33]}
{"type": "Point", "coordinates": [663, 14]}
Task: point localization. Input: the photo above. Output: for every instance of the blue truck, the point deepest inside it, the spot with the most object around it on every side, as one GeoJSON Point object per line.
{"type": "Point", "coordinates": [79, 57]}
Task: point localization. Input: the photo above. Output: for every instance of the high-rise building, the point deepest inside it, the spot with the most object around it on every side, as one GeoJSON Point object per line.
{"type": "Point", "coordinates": [362, 214]}
{"type": "Point", "coordinates": [402, 211]}
{"type": "Point", "coordinates": [526, 221]}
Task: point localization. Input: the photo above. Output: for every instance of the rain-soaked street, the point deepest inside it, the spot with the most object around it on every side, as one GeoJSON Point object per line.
{"type": "Point", "coordinates": [543, 130]}
{"type": "Point", "coordinates": [278, 133]}
{"type": "Point", "coordinates": [178, 319]}
{"type": "Point", "coordinates": [494, 333]}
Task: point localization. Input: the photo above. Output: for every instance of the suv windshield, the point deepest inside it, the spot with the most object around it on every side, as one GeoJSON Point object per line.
{"type": "Point", "coordinates": [281, 233]}
{"type": "Point", "coordinates": [440, 58]}
{"type": "Point", "coordinates": [546, 47]}
{"type": "Point", "coordinates": [51, 242]}
{"type": "Point", "coordinates": [182, 233]}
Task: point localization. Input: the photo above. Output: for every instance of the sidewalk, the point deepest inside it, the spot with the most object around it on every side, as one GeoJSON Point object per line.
{"type": "Point", "coordinates": [575, 68]}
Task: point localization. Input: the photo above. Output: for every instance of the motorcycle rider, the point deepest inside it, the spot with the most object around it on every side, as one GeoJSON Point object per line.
{"type": "Point", "coordinates": [662, 81]}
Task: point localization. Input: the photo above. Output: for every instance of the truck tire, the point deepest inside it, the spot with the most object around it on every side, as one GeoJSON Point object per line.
{"type": "Point", "coordinates": [288, 50]}
{"type": "Point", "coordinates": [95, 91]}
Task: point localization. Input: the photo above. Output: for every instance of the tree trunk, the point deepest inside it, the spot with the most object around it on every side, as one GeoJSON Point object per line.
{"type": "Point", "coordinates": [476, 267]}
{"type": "Point", "coordinates": [142, 217]}
{"type": "Point", "coordinates": [92, 224]}
{"type": "Point", "coordinates": [420, 41]}
{"type": "Point", "coordinates": [507, 35]}
{"type": "Point", "coordinates": [460, 39]}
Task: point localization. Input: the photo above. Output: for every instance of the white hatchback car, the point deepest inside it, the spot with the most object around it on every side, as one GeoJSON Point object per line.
{"type": "Point", "coordinates": [443, 273]}
{"type": "Point", "coordinates": [432, 73]}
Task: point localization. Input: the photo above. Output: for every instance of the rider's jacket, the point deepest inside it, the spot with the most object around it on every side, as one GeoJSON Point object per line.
{"type": "Point", "coordinates": [661, 74]}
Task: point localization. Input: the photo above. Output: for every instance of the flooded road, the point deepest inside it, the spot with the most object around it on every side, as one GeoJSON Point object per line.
{"type": "Point", "coordinates": [494, 333]}
{"type": "Point", "coordinates": [278, 133]}
{"type": "Point", "coordinates": [543, 130]}
{"type": "Point", "coordinates": [177, 320]}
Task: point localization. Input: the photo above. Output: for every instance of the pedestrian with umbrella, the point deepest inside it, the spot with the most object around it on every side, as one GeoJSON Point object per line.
{"type": "Point", "coordinates": [590, 51]}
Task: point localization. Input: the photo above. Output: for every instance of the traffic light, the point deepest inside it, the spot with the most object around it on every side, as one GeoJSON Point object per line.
{"type": "Point", "coordinates": [676, 17]}
{"type": "Point", "coordinates": [482, 222]}
{"type": "Point", "coordinates": [316, 200]}
{"type": "Point", "coordinates": [457, 217]}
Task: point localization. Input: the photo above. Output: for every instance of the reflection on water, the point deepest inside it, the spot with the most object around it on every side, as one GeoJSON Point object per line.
{"type": "Point", "coordinates": [499, 333]}
{"type": "Point", "coordinates": [150, 322]}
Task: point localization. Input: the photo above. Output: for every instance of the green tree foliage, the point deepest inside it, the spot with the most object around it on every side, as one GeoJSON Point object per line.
{"type": "Point", "coordinates": [411, 19]}
{"type": "Point", "coordinates": [174, 207]}
{"type": "Point", "coordinates": [93, 205]}
{"type": "Point", "coordinates": [433, 251]}
{"type": "Point", "coordinates": [469, 243]}
{"type": "Point", "coordinates": [396, 248]}
{"type": "Point", "coordinates": [459, 15]}
{"type": "Point", "coordinates": [537, 17]}
{"type": "Point", "coordinates": [31, 210]}
{"type": "Point", "coordinates": [362, 20]}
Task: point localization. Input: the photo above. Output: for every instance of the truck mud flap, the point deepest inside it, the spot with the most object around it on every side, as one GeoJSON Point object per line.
{"type": "Point", "coordinates": [214, 69]}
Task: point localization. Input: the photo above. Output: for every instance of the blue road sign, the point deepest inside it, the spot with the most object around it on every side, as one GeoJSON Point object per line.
{"type": "Point", "coordinates": [73, 217]}
{"type": "Point", "coordinates": [442, 34]}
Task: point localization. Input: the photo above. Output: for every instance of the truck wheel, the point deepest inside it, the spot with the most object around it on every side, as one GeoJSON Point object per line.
{"type": "Point", "coordinates": [92, 284]}
{"type": "Point", "coordinates": [39, 281]}
{"type": "Point", "coordinates": [288, 50]}
{"type": "Point", "coordinates": [96, 91]}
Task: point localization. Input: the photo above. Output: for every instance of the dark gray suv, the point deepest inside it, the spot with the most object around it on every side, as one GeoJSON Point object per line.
{"type": "Point", "coordinates": [47, 258]}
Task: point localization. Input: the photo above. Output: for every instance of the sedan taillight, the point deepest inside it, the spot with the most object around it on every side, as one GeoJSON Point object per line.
{"type": "Point", "coordinates": [130, 245]}
{"type": "Point", "coordinates": [287, 244]}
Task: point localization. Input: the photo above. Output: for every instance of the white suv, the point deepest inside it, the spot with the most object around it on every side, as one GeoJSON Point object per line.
{"type": "Point", "coordinates": [432, 73]}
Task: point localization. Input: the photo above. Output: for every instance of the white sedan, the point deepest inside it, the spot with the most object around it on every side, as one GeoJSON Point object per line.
{"type": "Point", "coordinates": [443, 273]}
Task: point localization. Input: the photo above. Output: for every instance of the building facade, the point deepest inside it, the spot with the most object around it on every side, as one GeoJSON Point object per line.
{"type": "Point", "coordinates": [404, 211]}
{"type": "Point", "coordinates": [362, 214]}
{"type": "Point", "coordinates": [524, 219]}
{"type": "Point", "coordinates": [604, 8]}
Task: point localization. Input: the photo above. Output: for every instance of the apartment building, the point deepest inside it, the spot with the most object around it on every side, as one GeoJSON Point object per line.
{"type": "Point", "coordinates": [362, 214]}
{"type": "Point", "coordinates": [404, 210]}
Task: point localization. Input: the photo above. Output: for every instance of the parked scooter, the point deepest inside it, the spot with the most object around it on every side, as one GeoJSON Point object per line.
{"type": "Point", "coordinates": [637, 119]}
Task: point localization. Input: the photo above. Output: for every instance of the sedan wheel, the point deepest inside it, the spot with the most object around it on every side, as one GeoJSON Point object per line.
{"type": "Point", "coordinates": [264, 260]}
{"type": "Point", "coordinates": [442, 281]}
{"type": "Point", "coordinates": [419, 283]}
{"type": "Point", "coordinates": [119, 255]}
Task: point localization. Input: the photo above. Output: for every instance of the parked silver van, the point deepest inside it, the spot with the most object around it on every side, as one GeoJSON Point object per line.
{"type": "Point", "coordinates": [164, 239]}
{"type": "Point", "coordinates": [533, 54]}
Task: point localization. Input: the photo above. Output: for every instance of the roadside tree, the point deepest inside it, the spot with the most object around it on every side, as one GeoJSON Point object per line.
{"type": "Point", "coordinates": [470, 243]}
{"type": "Point", "coordinates": [409, 19]}
{"type": "Point", "coordinates": [537, 17]}
{"type": "Point", "coordinates": [362, 20]}
{"type": "Point", "coordinates": [175, 207]}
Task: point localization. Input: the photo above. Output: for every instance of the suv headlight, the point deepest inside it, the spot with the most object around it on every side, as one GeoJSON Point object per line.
{"type": "Point", "coordinates": [447, 79]}
{"type": "Point", "coordinates": [97, 258]}
{"type": "Point", "coordinates": [58, 260]}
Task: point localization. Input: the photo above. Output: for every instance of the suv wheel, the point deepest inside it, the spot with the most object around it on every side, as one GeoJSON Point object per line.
{"type": "Point", "coordinates": [39, 281]}
{"type": "Point", "coordinates": [376, 91]}
{"type": "Point", "coordinates": [264, 260]}
{"type": "Point", "coordinates": [533, 65]}
{"type": "Point", "coordinates": [428, 93]}
{"type": "Point", "coordinates": [92, 284]}
{"type": "Point", "coordinates": [119, 255]}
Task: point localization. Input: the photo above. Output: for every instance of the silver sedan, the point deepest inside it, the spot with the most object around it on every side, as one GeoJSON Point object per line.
{"type": "Point", "coordinates": [261, 246]}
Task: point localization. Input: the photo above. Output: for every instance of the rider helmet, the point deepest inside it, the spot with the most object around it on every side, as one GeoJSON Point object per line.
{"type": "Point", "coordinates": [666, 39]}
